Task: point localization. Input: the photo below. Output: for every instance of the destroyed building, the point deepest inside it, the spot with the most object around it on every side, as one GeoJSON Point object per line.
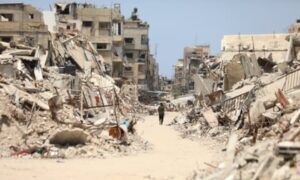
{"type": "Point", "coordinates": [166, 84]}
{"type": "Point", "coordinates": [179, 77]}
{"type": "Point", "coordinates": [102, 26]}
{"type": "Point", "coordinates": [123, 43]}
{"type": "Point", "coordinates": [248, 97]}
{"type": "Point", "coordinates": [192, 58]}
{"type": "Point", "coordinates": [63, 93]}
{"type": "Point", "coordinates": [136, 50]}
{"type": "Point", "coordinates": [22, 23]}
{"type": "Point", "coordinates": [272, 47]}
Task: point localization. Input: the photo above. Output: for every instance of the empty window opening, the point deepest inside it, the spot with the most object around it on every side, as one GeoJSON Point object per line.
{"type": "Point", "coordinates": [31, 16]}
{"type": "Point", "coordinates": [129, 55]}
{"type": "Point", "coordinates": [100, 46]}
{"type": "Point", "coordinates": [128, 40]}
{"type": "Point", "coordinates": [6, 39]}
{"type": "Point", "coordinates": [143, 56]}
{"type": "Point", "coordinates": [104, 25]}
{"type": "Point", "coordinates": [6, 17]}
{"type": "Point", "coordinates": [87, 23]}
{"type": "Point", "coordinates": [128, 68]}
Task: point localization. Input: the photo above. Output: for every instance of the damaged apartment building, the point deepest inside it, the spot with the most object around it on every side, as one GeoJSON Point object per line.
{"type": "Point", "coordinates": [123, 43]}
{"type": "Point", "coordinates": [102, 26]}
{"type": "Point", "coordinates": [266, 51]}
{"type": "Point", "coordinates": [22, 23]}
{"type": "Point", "coordinates": [187, 67]}
{"type": "Point", "coordinates": [242, 57]}
{"type": "Point", "coordinates": [136, 50]}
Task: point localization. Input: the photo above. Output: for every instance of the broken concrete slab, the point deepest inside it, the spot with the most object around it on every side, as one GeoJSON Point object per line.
{"type": "Point", "coordinates": [11, 90]}
{"type": "Point", "coordinates": [210, 117]}
{"type": "Point", "coordinates": [296, 117]}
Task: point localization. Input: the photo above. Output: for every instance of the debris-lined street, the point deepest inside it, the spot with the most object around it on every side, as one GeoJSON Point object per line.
{"type": "Point", "coordinates": [170, 157]}
{"type": "Point", "coordinates": [83, 94]}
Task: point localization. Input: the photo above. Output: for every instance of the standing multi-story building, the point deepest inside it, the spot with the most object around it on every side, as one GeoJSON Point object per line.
{"type": "Point", "coordinates": [193, 56]}
{"type": "Point", "coordinates": [102, 26]}
{"type": "Point", "coordinates": [22, 23]}
{"type": "Point", "coordinates": [136, 50]}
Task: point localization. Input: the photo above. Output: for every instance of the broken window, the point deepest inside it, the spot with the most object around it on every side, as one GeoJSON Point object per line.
{"type": "Point", "coordinates": [6, 38]}
{"type": "Point", "coordinates": [101, 46]}
{"type": "Point", "coordinates": [128, 68]}
{"type": "Point", "coordinates": [129, 55]}
{"type": "Point", "coordinates": [128, 40]}
{"type": "Point", "coordinates": [31, 16]}
{"type": "Point", "coordinates": [87, 23]}
{"type": "Point", "coordinates": [144, 39]}
{"type": "Point", "coordinates": [6, 17]}
{"type": "Point", "coordinates": [143, 56]}
{"type": "Point", "coordinates": [104, 26]}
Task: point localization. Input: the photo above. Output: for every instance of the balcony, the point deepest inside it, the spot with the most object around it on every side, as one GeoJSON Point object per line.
{"type": "Point", "coordinates": [117, 39]}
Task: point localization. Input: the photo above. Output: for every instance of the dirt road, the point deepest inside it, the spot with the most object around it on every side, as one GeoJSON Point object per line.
{"type": "Point", "coordinates": [171, 158]}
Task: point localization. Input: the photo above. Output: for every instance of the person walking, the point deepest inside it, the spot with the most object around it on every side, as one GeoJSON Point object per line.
{"type": "Point", "coordinates": [161, 113]}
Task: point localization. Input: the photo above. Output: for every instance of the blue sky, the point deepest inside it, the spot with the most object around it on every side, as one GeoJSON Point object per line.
{"type": "Point", "coordinates": [175, 24]}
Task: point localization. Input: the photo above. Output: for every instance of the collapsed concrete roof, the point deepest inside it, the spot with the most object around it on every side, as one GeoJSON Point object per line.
{"type": "Point", "coordinates": [269, 46]}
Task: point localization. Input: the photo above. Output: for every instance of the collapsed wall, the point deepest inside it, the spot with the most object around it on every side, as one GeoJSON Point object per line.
{"type": "Point", "coordinates": [60, 102]}
{"type": "Point", "coordinates": [250, 104]}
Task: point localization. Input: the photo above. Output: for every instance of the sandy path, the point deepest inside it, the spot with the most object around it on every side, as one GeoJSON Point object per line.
{"type": "Point", "coordinates": [171, 158]}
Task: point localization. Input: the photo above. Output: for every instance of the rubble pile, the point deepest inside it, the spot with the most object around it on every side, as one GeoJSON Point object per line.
{"type": "Point", "coordinates": [59, 102]}
{"type": "Point", "coordinates": [253, 110]}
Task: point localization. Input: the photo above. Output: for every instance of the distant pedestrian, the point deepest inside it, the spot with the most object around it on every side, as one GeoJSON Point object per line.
{"type": "Point", "coordinates": [161, 113]}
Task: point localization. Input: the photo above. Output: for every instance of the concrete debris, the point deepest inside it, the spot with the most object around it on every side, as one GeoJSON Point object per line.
{"type": "Point", "coordinates": [62, 101]}
{"type": "Point", "coordinates": [210, 117]}
{"type": "Point", "coordinates": [255, 100]}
